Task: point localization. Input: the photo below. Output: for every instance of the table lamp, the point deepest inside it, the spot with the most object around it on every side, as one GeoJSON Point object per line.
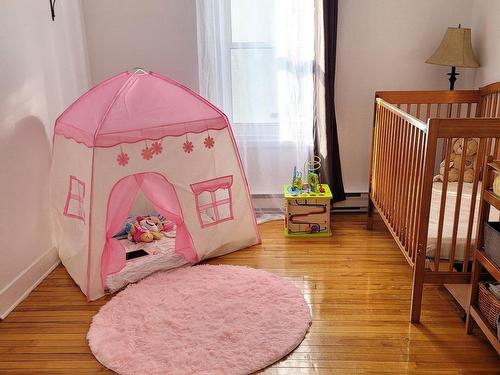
{"type": "Point", "coordinates": [455, 50]}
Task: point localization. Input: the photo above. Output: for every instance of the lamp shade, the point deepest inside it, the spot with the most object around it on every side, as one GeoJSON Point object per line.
{"type": "Point", "coordinates": [455, 49]}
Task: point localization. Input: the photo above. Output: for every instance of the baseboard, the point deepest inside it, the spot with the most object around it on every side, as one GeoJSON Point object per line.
{"type": "Point", "coordinates": [354, 202]}
{"type": "Point", "coordinates": [19, 288]}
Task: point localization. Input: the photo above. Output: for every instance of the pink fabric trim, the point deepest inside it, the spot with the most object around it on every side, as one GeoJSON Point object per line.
{"type": "Point", "coordinates": [153, 133]}
{"type": "Point", "coordinates": [117, 111]}
{"type": "Point", "coordinates": [89, 245]}
{"type": "Point", "coordinates": [212, 186]}
{"type": "Point", "coordinates": [77, 197]}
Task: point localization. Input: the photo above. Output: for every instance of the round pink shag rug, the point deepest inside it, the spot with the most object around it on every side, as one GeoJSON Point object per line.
{"type": "Point", "coordinates": [200, 320]}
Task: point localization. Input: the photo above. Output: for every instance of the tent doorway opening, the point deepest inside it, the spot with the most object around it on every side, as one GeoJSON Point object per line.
{"type": "Point", "coordinates": [130, 257]}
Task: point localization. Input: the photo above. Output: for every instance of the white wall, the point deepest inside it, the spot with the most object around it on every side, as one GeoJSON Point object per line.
{"type": "Point", "coordinates": [43, 65]}
{"type": "Point", "coordinates": [486, 39]}
{"type": "Point", "coordinates": [159, 35]}
{"type": "Point", "coordinates": [382, 45]}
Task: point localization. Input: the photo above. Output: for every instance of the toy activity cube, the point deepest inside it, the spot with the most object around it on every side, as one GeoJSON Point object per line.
{"type": "Point", "coordinates": [307, 212]}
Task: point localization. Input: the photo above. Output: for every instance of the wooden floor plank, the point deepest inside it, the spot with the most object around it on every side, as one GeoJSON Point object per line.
{"type": "Point", "coordinates": [357, 284]}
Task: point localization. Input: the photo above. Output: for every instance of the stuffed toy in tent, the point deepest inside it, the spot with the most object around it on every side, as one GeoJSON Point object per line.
{"type": "Point", "coordinates": [142, 132]}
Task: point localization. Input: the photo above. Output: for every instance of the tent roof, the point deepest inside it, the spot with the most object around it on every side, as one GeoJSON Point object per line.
{"type": "Point", "coordinates": [131, 107]}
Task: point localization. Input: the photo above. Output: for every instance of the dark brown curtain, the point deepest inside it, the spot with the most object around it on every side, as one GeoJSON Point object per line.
{"type": "Point", "coordinates": [326, 144]}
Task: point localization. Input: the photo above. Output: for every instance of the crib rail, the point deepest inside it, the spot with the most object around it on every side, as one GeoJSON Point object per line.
{"type": "Point", "coordinates": [486, 132]}
{"type": "Point", "coordinates": [489, 105]}
{"type": "Point", "coordinates": [399, 146]}
{"type": "Point", "coordinates": [434, 104]}
{"type": "Point", "coordinates": [413, 133]}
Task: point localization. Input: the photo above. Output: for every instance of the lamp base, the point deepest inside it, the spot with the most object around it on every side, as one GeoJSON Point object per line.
{"type": "Point", "coordinates": [453, 77]}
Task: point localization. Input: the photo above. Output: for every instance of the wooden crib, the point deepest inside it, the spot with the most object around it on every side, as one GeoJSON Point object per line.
{"type": "Point", "coordinates": [413, 132]}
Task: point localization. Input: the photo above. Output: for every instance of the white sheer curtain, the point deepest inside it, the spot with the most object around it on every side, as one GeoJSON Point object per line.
{"type": "Point", "coordinates": [256, 61]}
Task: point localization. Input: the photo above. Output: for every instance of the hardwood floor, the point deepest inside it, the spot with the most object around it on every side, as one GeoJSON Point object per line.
{"type": "Point", "coordinates": [358, 286]}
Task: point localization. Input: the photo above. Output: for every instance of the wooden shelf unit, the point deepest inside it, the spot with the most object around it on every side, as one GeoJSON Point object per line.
{"type": "Point", "coordinates": [482, 261]}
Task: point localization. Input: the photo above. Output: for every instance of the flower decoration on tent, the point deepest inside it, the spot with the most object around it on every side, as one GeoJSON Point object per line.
{"type": "Point", "coordinates": [188, 146]}
{"type": "Point", "coordinates": [157, 148]}
{"type": "Point", "coordinates": [147, 153]}
{"type": "Point", "coordinates": [122, 159]}
{"type": "Point", "coordinates": [209, 142]}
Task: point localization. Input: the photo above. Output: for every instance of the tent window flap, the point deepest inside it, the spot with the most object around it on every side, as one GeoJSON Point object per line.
{"type": "Point", "coordinates": [75, 199]}
{"type": "Point", "coordinates": [214, 200]}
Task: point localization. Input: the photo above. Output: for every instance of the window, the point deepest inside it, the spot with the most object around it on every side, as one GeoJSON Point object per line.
{"type": "Point", "coordinates": [263, 63]}
{"type": "Point", "coordinates": [75, 199]}
{"type": "Point", "coordinates": [256, 63]}
{"type": "Point", "coordinates": [213, 200]}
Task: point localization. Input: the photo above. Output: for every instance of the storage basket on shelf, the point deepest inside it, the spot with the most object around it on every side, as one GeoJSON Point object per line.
{"type": "Point", "coordinates": [489, 305]}
{"type": "Point", "coordinates": [492, 241]}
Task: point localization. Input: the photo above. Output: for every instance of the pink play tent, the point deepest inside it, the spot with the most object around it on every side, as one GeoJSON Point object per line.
{"type": "Point", "coordinates": [144, 133]}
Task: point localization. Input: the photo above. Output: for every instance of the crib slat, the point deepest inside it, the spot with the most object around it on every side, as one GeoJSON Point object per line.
{"type": "Point", "coordinates": [469, 109]}
{"type": "Point", "coordinates": [420, 163]}
{"type": "Point", "coordinates": [387, 134]}
{"type": "Point", "coordinates": [458, 205]}
{"type": "Point", "coordinates": [417, 113]}
{"type": "Point", "coordinates": [409, 189]}
{"type": "Point", "coordinates": [442, 209]}
{"type": "Point", "coordinates": [493, 112]}
{"type": "Point", "coordinates": [400, 179]}
{"type": "Point", "coordinates": [459, 110]}
{"type": "Point", "coordinates": [428, 112]}
{"type": "Point", "coordinates": [404, 185]}
{"type": "Point", "coordinates": [411, 184]}
{"type": "Point", "coordinates": [404, 182]}
{"type": "Point", "coordinates": [380, 163]}
{"type": "Point", "coordinates": [393, 175]}
{"type": "Point", "coordinates": [488, 106]}
{"type": "Point", "coordinates": [484, 210]}
{"type": "Point", "coordinates": [376, 166]}
{"type": "Point", "coordinates": [414, 184]}
{"type": "Point", "coordinates": [475, 184]}
{"type": "Point", "coordinates": [449, 109]}
{"type": "Point", "coordinates": [376, 152]}
{"type": "Point", "coordinates": [438, 110]}
{"type": "Point", "coordinates": [397, 173]}
{"type": "Point", "coordinates": [386, 162]}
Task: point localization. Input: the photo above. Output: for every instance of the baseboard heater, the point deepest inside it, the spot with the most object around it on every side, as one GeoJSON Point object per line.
{"type": "Point", "coordinates": [266, 203]}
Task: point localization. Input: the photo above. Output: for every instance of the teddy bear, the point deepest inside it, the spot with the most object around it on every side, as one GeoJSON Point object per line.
{"type": "Point", "coordinates": [137, 233]}
{"type": "Point", "coordinates": [456, 161]}
{"type": "Point", "coordinates": [472, 146]}
{"type": "Point", "coordinates": [153, 224]}
{"type": "Point", "coordinates": [496, 185]}
{"type": "Point", "coordinates": [144, 229]}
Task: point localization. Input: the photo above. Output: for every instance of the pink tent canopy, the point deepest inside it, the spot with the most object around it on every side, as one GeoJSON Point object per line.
{"type": "Point", "coordinates": [131, 107]}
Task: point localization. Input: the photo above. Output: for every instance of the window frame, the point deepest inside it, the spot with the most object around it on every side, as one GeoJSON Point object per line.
{"type": "Point", "coordinates": [75, 183]}
{"type": "Point", "coordinates": [227, 81]}
{"type": "Point", "coordinates": [211, 186]}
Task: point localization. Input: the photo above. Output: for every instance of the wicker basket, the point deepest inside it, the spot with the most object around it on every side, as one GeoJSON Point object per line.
{"type": "Point", "coordinates": [489, 305]}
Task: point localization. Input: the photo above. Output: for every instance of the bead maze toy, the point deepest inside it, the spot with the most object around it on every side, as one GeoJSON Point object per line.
{"type": "Point", "coordinates": [307, 205]}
